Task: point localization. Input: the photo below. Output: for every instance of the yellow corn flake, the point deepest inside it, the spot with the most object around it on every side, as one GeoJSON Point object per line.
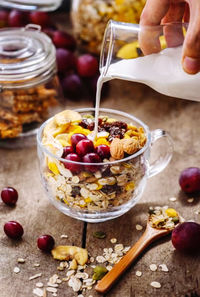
{"type": "Point", "coordinates": [110, 121]}
{"type": "Point", "coordinates": [53, 167]}
{"type": "Point", "coordinates": [126, 136]}
{"type": "Point", "coordinates": [130, 186]}
{"type": "Point", "coordinates": [100, 141]}
{"type": "Point", "coordinates": [88, 200]}
{"type": "Point", "coordinates": [99, 187]}
{"type": "Point", "coordinates": [128, 51]}
{"type": "Point", "coordinates": [132, 127]}
{"type": "Point", "coordinates": [64, 142]}
{"type": "Point", "coordinates": [171, 212]}
{"type": "Point", "coordinates": [126, 165]}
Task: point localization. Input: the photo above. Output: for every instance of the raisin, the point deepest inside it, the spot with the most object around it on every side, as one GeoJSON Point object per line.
{"type": "Point", "coordinates": [84, 123]}
{"type": "Point", "coordinates": [75, 191]}
{"type": "Point", "coordinates": [108, 189]}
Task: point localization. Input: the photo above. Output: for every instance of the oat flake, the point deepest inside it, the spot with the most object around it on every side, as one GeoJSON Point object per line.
{"type": "Point", "coordinates": [138, 227]}
{"type": "Point", "coordinates": [20, 260]}
{"type": "Point", "coordinates": [164, 267]}
{"type": "Point", "coordinates": [156, 285]}
{"type": "Point", "coordinates": [190, 200]}
{"type": "Point", "coordinates": [138, 273]}
{"type": "Point", "coordinates": [16, 270]}
{"type": "Point", "coordinates": [173, 199]}
{"type": "Point", "coordinates": [38, 292]}
{"type": "Point", "coordinates": [64, 236]}
{"type": "Point", "coordinates": [52, 290]}
{"type": "Point", "coordinates": [113, 240]}
{"type": "Point", "coordinates": [35, 276]}
{"type": "Point", "coordinates": [39, 285]}
{"type": "Point", "coordinates": [100, 259]}
{"type": "Point", "coordinates": [153, 267]}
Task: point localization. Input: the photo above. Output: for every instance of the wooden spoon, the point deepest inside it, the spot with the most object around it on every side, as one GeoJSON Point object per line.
{"type": "Point", "coordinates": [150, 235]}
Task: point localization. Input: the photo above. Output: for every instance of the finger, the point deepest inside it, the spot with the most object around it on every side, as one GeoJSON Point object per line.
{"type": "Point", "coordinates": [174, 33]}
{"type": "Point", "coordinates": [191, 46]}
{"type": "Point", "coordinates": [152, 15]}
{"type": "Point", "coordinates": [186, 16]}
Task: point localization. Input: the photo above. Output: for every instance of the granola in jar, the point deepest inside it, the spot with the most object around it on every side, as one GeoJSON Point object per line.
{"type": "Point", "coordinates": [91, 16]}
{"type": "Point", "coordinates": [87, 173]}
{"type": "Point", "coordinates": [29, 87]}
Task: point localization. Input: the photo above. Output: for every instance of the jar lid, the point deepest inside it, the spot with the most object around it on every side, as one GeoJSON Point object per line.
{"type": "Point", "coordinates": [42, 5]}
{"type": "Point", "coordinates": [27, 57]}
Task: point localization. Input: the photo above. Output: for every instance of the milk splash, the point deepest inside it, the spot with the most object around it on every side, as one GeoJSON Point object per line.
{"type": "Point", "coordinates": [161, 71]}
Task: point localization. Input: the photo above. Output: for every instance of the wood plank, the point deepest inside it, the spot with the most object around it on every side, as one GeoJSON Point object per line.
{"type": "Point", "coordinates": [181, 119]}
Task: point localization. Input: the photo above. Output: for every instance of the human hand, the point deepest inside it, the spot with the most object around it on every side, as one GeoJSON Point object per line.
{"type": "Point", "coordinates": [158, 12]}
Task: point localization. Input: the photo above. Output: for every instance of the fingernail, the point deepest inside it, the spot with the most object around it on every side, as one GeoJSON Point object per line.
{"type": "Point", "coordinates": [191, 65]}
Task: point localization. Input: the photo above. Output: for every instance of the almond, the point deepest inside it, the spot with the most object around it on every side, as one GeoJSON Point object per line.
{"type": "Point", "coordinates": [116, 149]}
{"type": "Point", "coordinates": [130, 145]}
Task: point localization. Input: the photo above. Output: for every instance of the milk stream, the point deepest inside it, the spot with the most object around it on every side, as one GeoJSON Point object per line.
{"type": "Point", "coordinates": [162, 72]}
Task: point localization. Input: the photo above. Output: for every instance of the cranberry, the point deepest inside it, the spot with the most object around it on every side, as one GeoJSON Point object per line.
{"type": "Point", "coordinates": [67, 150]}
{"type": "Point", "coordinates": [40, 18]}
{"type": "Point", "coordinates": [91, 158]}
{"type": "Point", "coordinates": [75, 138]}
{"type": "Point", "coordinates": [3, 18]}
{"type": "Point", "coordinates": [65, 60]}
{"type": "Point", "coordinates": [87, 65]}
{"type": "Point", "coordinates": [72, 86]}
{"type": "Point", "coordinates": [103, 151]}
{"type": "Point", "coordinates": [73, 167]}
{"type": "Point", "coordinates": [84, 147]}
{"type": "Point", "coordinates": [64, 40]}
{"type": "Point", "coordinates": [13, 230]}
{"type": "Point", "coordinates": [45, 243]}
{"type": "Point", "coordinates": [9, 196]}
{"type": "Point", "coordinates": [186, 237]}
{"type": "Point", "coordinates": [189, 180]}
{"type": "Point", "coordinates": [17, 18]}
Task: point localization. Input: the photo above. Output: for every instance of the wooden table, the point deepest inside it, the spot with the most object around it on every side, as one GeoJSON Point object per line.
{"type": "Point", "coordinates": [19, 168]}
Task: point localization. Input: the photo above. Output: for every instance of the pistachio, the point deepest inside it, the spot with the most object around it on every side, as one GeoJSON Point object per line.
{"type": "Point", "coordinates": [99, 234]}
{"type": "Point", "coordinates": [99, 272]}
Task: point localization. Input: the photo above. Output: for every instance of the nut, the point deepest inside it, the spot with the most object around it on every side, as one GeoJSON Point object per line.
{"type": "Point", "coordinates": [130, 145]}
{"type": "Point", "coordinates": [116, 149]}
{"type": "Point", "coordinates": [63, 252]}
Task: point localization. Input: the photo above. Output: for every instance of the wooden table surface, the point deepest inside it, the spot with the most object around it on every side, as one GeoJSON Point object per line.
{"type": "Point", "coordinates": [19, 168]}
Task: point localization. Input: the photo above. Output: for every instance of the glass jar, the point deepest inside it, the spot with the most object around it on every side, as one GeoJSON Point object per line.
{"type": "Point", "coordinates": [29, 87]}
{"type": "Point", "coordinates": [42, 5]}
{"type": "Point", "coordinates": [90, 17]}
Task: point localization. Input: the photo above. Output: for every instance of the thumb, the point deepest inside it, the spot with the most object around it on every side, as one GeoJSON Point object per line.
{"type": "Point", "coordinates": [191, 46]}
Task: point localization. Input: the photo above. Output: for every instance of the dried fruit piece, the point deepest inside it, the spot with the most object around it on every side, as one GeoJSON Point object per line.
{"type": "Point", "coordinates": [116, 149]}
{"type": "Point", "coordinates": [99, 272]}
{"type": "Point", "coordinates": [99, 234]}
{"type": "Point", "coordinates": [66, 116]}
{"type": "Point", "coordinates": [63, 252]}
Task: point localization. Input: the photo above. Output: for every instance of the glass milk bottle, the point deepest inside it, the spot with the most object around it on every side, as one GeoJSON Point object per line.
{"type": "Point", "coordinates": [149, 55]}
{"type": "Point", "coordinates": [43, 5]}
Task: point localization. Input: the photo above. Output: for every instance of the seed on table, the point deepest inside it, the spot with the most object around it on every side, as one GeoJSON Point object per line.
{"type": "Point", "coordinates": [16, 270]}
{"type": "Point", "coordinates": [113, 240]}
{"type": "Point", "coordinates": [153, 267]}
{"type": "Point", "coordinates": [35, 276]}
{"type": "Point", "coordinates": [39, 285]}
{"type": "Point", "coordinates": [138, 273]}
{"type": "Point", "coordinates": [20, 260]}
{"type": "Point", "coordinates": [173, 199]}
{"type": "Point", "coordinates": [190, 200]}
{"type": "Point", "coordinates": [164, 267]}
{"type": "Point", "coordinates": [156, 285]}
{"type": "Point", "coordinates": [138, 227]}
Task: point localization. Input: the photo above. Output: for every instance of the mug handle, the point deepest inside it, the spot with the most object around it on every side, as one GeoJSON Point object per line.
{"type": "Point", "coordinates": [163, 159]}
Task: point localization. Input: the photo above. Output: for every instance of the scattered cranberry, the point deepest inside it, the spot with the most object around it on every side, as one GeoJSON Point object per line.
{"type": "Point", "coordinates": [40, 18]}
{"type": "Point", "coordinates": [3, 18]}
{"type": "Point", "coordinates": [189, 180]}
{"type": "Point", "coordinates": [65, 60]}
{"type": "Point", "coordinates": [91, 158]}
{"type": "Point", "coordinates": [45, 243]}
{"type": "Point", "coordinates": [72, 86]}
{"type": "Point", "coordinates": [73, 167]}
{"type": "Point", "coordinates": [9, 196]}
{"type": "Point", "coordinates": [67, 150]}
{"type": "Point", "coordinates": [87, 65]}
{"type": "Point", "coordinates": [17, 18]}
{"type": "Point", "coordinates": [84, 147]}
{"type": "Point", "coordinates": [186, 237]}
{"type": "Point", "coordinates": [75, 138]}
{"type": "Point", "coordinates": [103, 151]}
{"type": "Point", "coordinates": [64, 40]}
{"type": "Point", "coordinates": [13, 230]}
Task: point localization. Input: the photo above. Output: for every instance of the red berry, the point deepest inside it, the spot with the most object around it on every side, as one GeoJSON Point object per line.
{"type": "Point", "coordinates": [103, 151]}
{"type": "Point", "coordinates": [13, 230]}
{"type": "Point", "coordinates": [40, 18]}
{"type": "Point", "coordinates": [65, 60]}
{"type": "Point", "coordinates": [45, 243]}
{"type": "Point", "coordinates": [9, 196]}
{"type": "Point", "coordinates": [73, 167]}
{"type": "Point", "coordinates": [92, 158]}
{"type": "Point", "coordinates": [72, 86]}
{"type": "Point", "coordinates": [64, 40]}
{"type": "Point", "coordinates": [87, 65]}
{"type": "Point", "coordinates": [67, 150]}
{"type": "Point", "coordinates": [3, 18]}
{"type": "Point", "coordinates": [186, 237]}
{"type": "Point", "coordinates": [189, 180]}
{"type": "Point", "coordinates": [17, 18]}
{"type": "Point", "coordinates": [75, 138]}
{"type": "Point", "coordinates": [84, 147]}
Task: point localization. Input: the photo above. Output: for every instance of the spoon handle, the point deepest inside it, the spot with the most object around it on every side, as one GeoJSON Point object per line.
{"type": "Point", "coordinates": [112, 276]}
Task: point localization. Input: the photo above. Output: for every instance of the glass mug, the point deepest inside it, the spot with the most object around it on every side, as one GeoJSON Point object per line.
{"type": "Point", "coordinates": [123, 180]}
{"type": "Point", "coordinates": [149, 55]}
